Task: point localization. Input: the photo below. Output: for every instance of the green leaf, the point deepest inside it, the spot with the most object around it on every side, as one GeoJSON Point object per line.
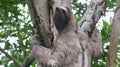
{"type": "Point", "coordinates": [20, 35]}
{"type": "Point", "coordinates": [7, 45]}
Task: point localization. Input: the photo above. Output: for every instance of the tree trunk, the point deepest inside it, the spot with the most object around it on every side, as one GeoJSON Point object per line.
{"type": "Point", "coordinates": [112, 53]}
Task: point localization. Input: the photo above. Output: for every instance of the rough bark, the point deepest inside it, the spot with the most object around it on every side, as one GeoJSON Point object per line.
{"type": "Point", "coordinates": [112, 53]}
{"type": "Point", "coordinates": [40, 19]}
{"type": "Point", "coordinates": [93, 13]}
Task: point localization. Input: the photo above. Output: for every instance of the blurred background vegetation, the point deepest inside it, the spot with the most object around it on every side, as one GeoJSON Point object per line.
{"type": "Point", "coordinates": [16, 28]}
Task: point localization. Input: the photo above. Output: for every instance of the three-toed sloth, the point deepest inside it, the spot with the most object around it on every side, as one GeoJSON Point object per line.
{"type": "Point", "coordinates": [72, 48]}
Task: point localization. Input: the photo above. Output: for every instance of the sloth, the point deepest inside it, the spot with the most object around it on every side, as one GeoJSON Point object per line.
{"type": "Point", "coordinates": [72, 48]}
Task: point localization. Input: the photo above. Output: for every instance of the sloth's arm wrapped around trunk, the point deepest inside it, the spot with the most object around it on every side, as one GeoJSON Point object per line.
{"type": "Point", "coordinates": [43, 54]}
{"type": "Point", "coordinates": [59, 55]}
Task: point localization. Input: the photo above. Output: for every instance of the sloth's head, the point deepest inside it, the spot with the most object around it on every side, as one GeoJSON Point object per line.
{"type": "Point", "coordinates": [63, 18]}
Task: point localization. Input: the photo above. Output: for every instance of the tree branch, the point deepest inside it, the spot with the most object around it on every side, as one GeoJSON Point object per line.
{"type": "Point", "coordinates": [38, 23]}
{"type": "Point", "coordinates": [11, 58]}
{"type": "Point", "coordinates": [93, 13]}
{"type": "Point", "coordinates": [112, 53]}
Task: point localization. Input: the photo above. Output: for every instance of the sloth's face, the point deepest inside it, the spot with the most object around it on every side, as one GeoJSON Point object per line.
{"type": "Point", "coordinates": [60, 14]}
{"type": "Point", "coordinates": [61, 17]}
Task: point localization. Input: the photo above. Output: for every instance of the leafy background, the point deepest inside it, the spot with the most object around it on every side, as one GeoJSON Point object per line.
{"type": "Point", "coordinates": [16, 28]}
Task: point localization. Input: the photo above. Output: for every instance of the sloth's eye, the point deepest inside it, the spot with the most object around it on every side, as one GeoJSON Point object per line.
{"type": "Point", "coordinates": [63, 11]}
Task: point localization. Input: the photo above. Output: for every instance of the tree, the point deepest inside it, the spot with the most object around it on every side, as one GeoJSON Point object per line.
{"type": "Point", "coordinates": [112, 54]}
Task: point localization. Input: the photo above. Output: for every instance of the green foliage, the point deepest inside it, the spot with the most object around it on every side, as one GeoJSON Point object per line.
{"type": "Point", "coordinates": [105, 32]}
{"type": "Point", "coordinates": [79, 9]}
{"type": "Point", "coordinates": [15, 31]}
{"type": "Point", "coordinates": [111, 4]}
